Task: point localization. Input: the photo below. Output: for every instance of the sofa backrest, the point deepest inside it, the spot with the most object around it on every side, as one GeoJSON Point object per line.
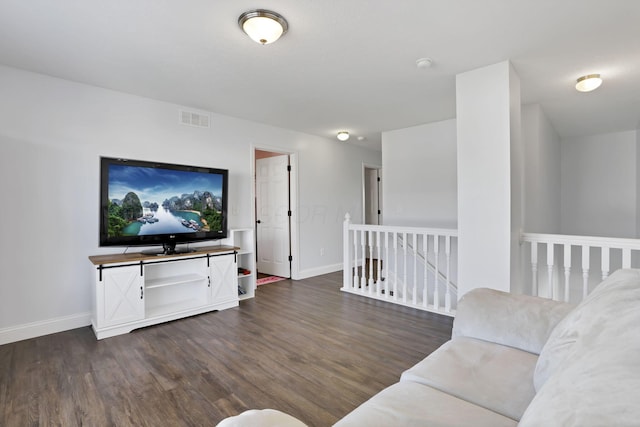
{"type": "Point", "coordinates": [519, 321]}
{"type": "Point", "coordinates": [588, 372]}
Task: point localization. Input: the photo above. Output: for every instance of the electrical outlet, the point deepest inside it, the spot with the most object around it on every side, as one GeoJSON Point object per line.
{"type": "Point", "coordinates": [321, 251]}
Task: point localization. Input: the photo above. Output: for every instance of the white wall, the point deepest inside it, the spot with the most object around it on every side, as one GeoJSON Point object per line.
{"type": "Point", "coordinates": [599, 185]}
{"type": "Point", "coordinates": [52, 133]}
{"type": "Point", "coordinates": [420, 183]}
{"type": "Point", "coordinates": [542, 172]}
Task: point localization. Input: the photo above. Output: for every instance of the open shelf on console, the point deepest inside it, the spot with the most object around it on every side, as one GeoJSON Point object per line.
{"type": "Point", "coordinates": [173, 280]}
{"type": "Point", "coordinates": [243, 239]}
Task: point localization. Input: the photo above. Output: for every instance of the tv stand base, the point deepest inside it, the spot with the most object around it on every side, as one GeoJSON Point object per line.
{"type": "Point", "coordinates": [136, 290]}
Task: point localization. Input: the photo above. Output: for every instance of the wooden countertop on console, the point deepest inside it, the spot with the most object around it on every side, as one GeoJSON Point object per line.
{"type": "Point", "coordinates": [139, 256]}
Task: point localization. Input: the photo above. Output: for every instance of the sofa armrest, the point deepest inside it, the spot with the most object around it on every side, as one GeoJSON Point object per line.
{"type": "Point", "coordinates": [262, 418]}
{"type": "Point", "coordinates": [519, 321]}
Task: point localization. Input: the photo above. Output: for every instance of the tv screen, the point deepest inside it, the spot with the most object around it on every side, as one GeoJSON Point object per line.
{"type": "Point", "coordinates": [150, 203]}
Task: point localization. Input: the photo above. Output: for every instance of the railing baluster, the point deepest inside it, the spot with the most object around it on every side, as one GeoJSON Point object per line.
{"type": "Point", "coordinates": [378, 280]}
{"type": "Point", "coordinates": [370, 263]}
{"type": "Point", "coordinates": [605, 262]}
{"type": "Point", "coordinates": [363, 277]}
{"type": "Point", "coordinates": [385, 282]}
{"type": "Point", "coordinates": [534, 268]}
{"type": "Point", "coordinates": [567, 270]}
{"type": "Point", "coordinates": [395, 266]}
{"type": "Point", "coordinates": [356, 273]}
{"type": "Point", "coordinates": [425, 251]}
{"type": "Point", "coordinates": [404, 269]}
{"type": "Point", "coordinates": [585, 270]}
{"type": "Point", "coordinates": [436, 275]}
{"type": "Point", "coordinates": [550, 256]}
{"type": "Point", "coordinates": [447, 294]}
{"type": "Point", "coordinates": [346, 248]}
{"type": "Point", "coordinates": [414, 286]}
{"type": "Point", "coordinates": [626, 258]}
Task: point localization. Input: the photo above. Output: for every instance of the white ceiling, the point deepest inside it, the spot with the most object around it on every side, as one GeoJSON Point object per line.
{"type": "Point", "coordinates": [344, 64]}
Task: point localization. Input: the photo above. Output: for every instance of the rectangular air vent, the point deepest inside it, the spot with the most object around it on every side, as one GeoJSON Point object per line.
{"type": "Point", "coordinates": [197, 119]}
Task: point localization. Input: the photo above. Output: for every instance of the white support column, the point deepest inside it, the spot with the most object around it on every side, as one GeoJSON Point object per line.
{"type": "Point", "coordinates": [489, 177]}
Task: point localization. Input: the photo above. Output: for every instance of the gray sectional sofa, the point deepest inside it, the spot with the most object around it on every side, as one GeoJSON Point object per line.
{"type": "Point", "coordinates": [515, 360]}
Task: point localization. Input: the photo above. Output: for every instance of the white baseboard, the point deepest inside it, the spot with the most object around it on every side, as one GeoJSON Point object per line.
{"type": "Point", "coordinates": [44, 327]}
{"type": "Point", "coordinates": [311, 272]}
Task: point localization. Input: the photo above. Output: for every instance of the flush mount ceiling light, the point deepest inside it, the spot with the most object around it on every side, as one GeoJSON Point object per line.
{"type": "Point", "coordinates": [343, 135]}
{"type": "Point", "coordinates": [263, 26]}
{"type": "Point", "coordinates": [424, 63]}
{"type": "Point", "coordinates": [588, 83]}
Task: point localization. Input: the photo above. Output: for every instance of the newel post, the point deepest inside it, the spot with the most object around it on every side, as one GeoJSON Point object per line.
{"type": "Point", "coordinates": [346, 269]}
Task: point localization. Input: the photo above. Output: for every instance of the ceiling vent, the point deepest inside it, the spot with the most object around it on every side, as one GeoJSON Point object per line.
{"type": "Point", "coordinates": [192, 118]}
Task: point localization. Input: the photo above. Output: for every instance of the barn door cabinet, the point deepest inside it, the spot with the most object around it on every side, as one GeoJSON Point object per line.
{"type": "Point", "coordinates": [136, 290]}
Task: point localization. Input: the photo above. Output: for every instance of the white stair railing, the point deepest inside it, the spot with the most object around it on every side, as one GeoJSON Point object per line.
{"type": "Point", "coordinates": [409, 266]}
{"type": "Point", "coordinates": [567, 268]}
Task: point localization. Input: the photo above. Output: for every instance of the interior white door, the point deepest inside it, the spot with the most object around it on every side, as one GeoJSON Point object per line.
{"type": "Point", "coordinates": [272, 219]}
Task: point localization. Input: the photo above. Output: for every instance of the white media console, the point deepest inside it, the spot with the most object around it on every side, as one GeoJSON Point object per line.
{"type": "Point", "coordinates": [136, 290]}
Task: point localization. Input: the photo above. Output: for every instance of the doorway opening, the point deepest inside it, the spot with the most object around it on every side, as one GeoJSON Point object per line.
{"type": "Point", "coordinates": [372, 194]}
{"type": "Point", "coordinates": [274, 175]}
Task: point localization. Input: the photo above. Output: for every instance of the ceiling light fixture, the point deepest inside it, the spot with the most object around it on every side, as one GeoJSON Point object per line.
{"type": "Point", "coordinates": [424, 63]}
{"type": "Point", "coordinates": [343, 135]}
{"type": "Point", "coordinates": [588, 83]}
{"type": "Point", "coordinates": [263, 26]}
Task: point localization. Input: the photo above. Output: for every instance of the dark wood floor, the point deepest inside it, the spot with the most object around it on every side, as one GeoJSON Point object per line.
{"type": "Point", "coordinates": [302, 347]}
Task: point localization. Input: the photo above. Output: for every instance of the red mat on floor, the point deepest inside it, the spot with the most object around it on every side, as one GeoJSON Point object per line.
{"type": "Point", "coordinates": [269, 279]}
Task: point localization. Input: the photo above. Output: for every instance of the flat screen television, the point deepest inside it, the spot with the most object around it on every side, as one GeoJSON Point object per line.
{"type": "Point", "coordinates": [146, 203]}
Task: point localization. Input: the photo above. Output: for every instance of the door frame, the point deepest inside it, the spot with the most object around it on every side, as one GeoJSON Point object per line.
{"type": "Point", "coordinates": [293, 200]}
{"type": "Point", "coordinates": [366, 166]}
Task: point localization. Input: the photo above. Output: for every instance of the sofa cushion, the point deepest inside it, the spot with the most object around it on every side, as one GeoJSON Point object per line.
{"type": "Point", "coordinates": [611, 306]}
{"type": "Point", "coordinates": [520, 321]}
{"type": "Point", "coordinates": [496, 377]}
{"type": "Point", "coordinates": [410, 404]}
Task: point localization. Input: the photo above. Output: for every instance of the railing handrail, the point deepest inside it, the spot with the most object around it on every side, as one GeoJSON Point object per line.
{"type": "Point", "coordinates": [562, 239]}
{"type": "Point", "coordinates": [452, 232]}
{"type": "Point", "coordinates": [568, 253]}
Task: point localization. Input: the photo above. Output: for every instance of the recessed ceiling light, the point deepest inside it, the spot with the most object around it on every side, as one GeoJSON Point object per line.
{"type": "Point", "coordinates": [343, 135]}
{"type": "Point", "coordinates": [263, 26]}
{"type": "Point", "coordinates": [588, 83]}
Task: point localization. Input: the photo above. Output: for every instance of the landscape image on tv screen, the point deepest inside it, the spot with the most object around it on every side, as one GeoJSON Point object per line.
{"type": "Point", "coordinates": [149, 201]}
